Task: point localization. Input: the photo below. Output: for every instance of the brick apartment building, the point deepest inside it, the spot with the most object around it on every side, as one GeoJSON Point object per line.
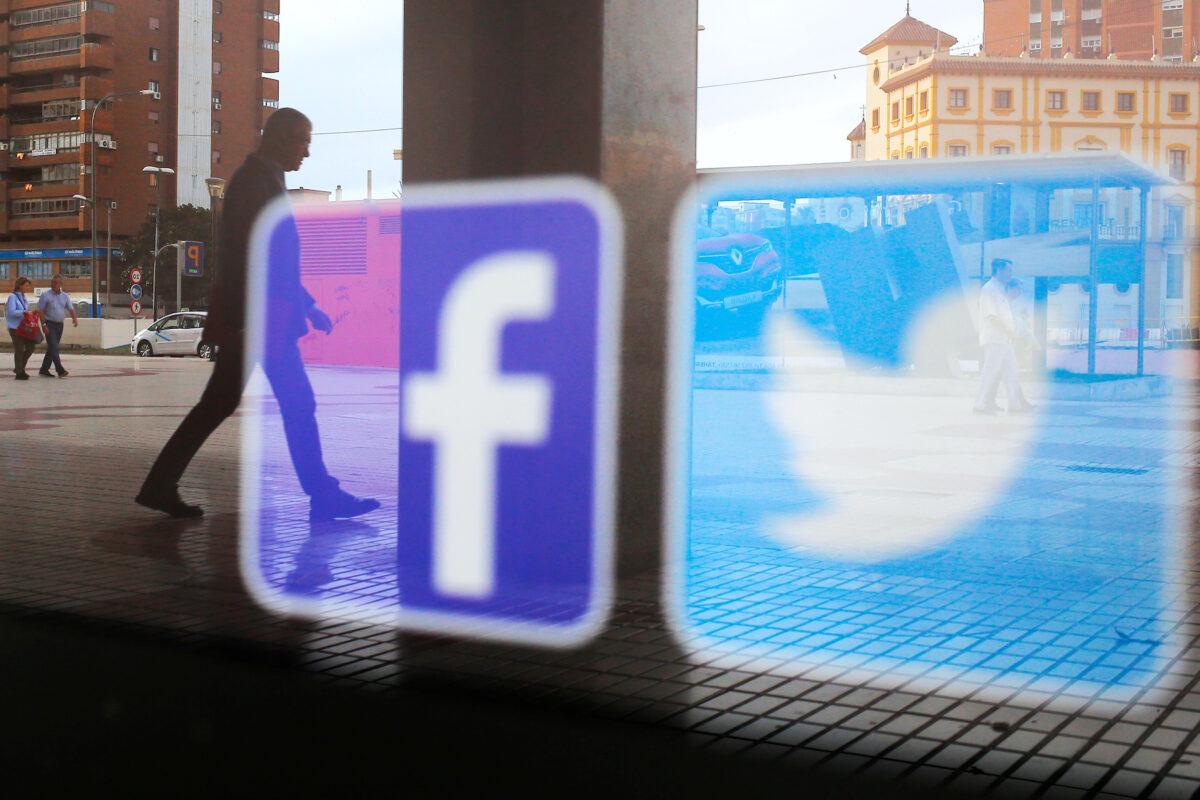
{"type": "Point", "coordinates": [1129, 29]}
{"type": "Point", "coordinates": [207, 59]}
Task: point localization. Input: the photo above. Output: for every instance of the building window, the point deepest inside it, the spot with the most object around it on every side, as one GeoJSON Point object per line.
{"type": "Point", "coordinates": [152, 116]}
{"type": "Point", "coordinates": [42, 16]}
{"type": "Point", "coordinates": [216, 68]}
{"type": "Point", "coordinates": [908, 106]}
{"type": "Point", "coordinates": [271, 15]}
{"type": "Point", "coordinates": [1089, 43]}
{"type": "Point", "coordinates": [875, 118]}
{"type": "Point", "coordinates": [1056, 101]}
{"type": "Point", "coordinates": [1035, 46]}
{"type": "Point", "coordinates": [1174, 277]}
{"type": "Point", "coordinates": [924, 151]}
{"type": "Point", "coordinates": [1126, 101]}
{"type": "Point", "coordinates": [216, 126]}
{"type": "Point", "coordinates": [217, 8]}
{"type": "Point", "coordinates": [218, 37]}
{"type": "Point", "coordinates": [216, 156]}
{"type": "Point", "coordinates": [1174, 223]}
{"type": "Point", "coordinates": [45, 47]}
{"type": "Point", "coordinates": [1090, 101]}
{"type": "Point", "coordinates": [267, 44]}
{"type": "Point", "coordinates": [896, 111]}
{"type": "Point", "coordinates": [152, 148]}
{"type": "Point", "coordinates": [956, 150]}
{"type": "Point", "coordinates": [1179, 103]}
{"type": "Point", "coordinates": [1002, 150]}
{"type": "Point", "coordinates": [154, 23]}
{"type": "Point", "coordinates": [908, 153]}
{"type": "Point", "coordinates": [154, 54]}
{"type": "Point", "coordinates": [153, 86]}
{"type": "Point", "coordinates": [924, 102]}
{"type": "Point", "coordinates": [1177, 163]}
{"type": "Point", "coordinates": [958, 98]}
{"type": "Point", "coordinates": [269, 103]}
{"type": "Point", "coordinates": [1002, 99]}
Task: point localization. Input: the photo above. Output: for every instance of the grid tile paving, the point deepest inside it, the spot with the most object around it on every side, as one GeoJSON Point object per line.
{"type": "Point", "coordinates": [77, 449]}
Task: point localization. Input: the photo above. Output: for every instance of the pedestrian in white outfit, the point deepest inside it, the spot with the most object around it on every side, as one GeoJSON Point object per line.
{"type": "Point", "coordinates": [997, 335]}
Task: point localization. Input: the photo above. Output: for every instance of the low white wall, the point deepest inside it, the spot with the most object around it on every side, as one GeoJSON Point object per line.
{"type": "Point", "coordinates": [104, 333]}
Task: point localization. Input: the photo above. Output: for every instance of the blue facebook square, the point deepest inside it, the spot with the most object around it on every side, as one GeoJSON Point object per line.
{"type": "Point", "coordinates": [468, 383]}
{"type": "Point", "coordinates": [506, 386]}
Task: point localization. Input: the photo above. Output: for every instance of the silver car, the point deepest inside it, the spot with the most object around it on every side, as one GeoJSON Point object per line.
{"type": "Point", "coordinates": [180, 334]}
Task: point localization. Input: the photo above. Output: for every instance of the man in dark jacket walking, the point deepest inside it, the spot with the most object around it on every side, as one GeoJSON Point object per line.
{"type": "Point", "coordinates": [257, 182]}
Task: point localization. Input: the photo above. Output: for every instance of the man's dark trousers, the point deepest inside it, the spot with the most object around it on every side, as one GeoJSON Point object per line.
{"type": "Point", "coordinates": [53, 337]}
{"type": "Point", "coordinates": [297, 405]}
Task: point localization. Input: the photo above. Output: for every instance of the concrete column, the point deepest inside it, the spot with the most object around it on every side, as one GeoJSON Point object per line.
{"type": "Point", "coordinates": [602, 88]}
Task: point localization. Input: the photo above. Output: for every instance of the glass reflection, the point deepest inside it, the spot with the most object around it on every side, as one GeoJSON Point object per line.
{"type": "Point", "coordinates": [857, 497]}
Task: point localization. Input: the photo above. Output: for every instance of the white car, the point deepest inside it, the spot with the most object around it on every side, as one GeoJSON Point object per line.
{"type": "Point", "coordinates": [180, 334]}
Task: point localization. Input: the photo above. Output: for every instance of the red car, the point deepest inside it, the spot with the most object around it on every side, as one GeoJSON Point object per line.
{"type": "Point", "coordinates": [737, 271]}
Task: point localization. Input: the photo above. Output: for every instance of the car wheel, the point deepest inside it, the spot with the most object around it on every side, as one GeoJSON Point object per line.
{"type": "Point", "coordinates": [144, 349]}
{"type": "Point", "coordinates": [205, 351]}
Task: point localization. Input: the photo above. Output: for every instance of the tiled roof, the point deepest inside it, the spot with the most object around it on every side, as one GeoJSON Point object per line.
{"type": "Point", "coordinates": [944, 63]}
{"type": "Point", "coordinates": [910, 30]}
{"type": "Point", "coordinates": [859, 132]}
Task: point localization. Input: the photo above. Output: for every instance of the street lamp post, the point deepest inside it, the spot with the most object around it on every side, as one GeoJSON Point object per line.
{"type": "Point", "coordinates": [158, 172]}
{"type": "Point", "coordinates": [216, 194]}
{"type": "Point", "coordinates": [108, 266]}
{"type": "Point", "coordinates": [92, 149]}
{"type": "Point", "coordinates": [110, 205]}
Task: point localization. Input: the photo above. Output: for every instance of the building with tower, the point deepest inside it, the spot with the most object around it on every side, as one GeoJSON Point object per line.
{"type": "Point", "coordinates": [924, 101]}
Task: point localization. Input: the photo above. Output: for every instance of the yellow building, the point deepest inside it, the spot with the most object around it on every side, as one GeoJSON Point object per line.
{"type": "Point", "coordinates": [923, 101]}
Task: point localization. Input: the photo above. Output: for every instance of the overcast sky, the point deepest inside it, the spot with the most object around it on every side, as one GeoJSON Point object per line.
{"type": "Point", "coordinates": [344, 71]}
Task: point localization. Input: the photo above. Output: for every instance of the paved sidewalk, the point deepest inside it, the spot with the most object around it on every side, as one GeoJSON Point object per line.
{"type": "Point", "coordinates": [75, 450]}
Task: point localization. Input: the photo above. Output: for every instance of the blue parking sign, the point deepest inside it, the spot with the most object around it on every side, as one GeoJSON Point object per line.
{"type": "Point", "coordinates": [478, 333]}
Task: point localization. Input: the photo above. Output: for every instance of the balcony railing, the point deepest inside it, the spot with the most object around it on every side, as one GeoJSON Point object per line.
{"type": "Point", "coordinates": [1108, 231]}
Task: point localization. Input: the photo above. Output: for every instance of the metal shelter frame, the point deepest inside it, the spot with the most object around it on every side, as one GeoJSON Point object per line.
{"type": "Point", "coordinates": [875, 181]}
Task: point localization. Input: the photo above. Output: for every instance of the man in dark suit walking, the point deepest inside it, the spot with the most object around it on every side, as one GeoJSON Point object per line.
{"type": "Point", "coordinates": [258, 181]}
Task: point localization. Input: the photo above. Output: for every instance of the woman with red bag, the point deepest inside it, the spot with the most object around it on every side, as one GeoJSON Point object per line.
{"type": "Point", "coordinates": [24, 328]}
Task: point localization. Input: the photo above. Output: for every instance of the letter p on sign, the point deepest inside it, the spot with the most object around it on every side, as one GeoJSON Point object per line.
{"type": "Point", "coordinates": [192, 254]}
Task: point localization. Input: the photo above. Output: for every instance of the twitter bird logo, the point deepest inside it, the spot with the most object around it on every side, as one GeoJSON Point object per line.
{"type": "Point", "coordinates": [899, 462]}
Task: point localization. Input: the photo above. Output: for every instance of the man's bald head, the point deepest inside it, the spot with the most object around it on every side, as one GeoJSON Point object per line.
{"type": "Point", "coordinates": [285, 138]}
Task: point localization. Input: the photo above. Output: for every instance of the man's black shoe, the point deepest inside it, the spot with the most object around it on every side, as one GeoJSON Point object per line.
{"type": "Point", "coordinates": [340, 505]}
{"type": "Point", "coordinates": [168, 502]}
{"type": "Point", "coordinates": [22, 376]}
{"type": "Point", "coordinates": [45, 373]}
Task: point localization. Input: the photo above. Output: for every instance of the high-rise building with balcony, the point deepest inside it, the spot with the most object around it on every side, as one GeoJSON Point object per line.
{"type": "Point", "coordinates": [1131, 29]}
{"type": "Point", "coordinates": [208, 62]}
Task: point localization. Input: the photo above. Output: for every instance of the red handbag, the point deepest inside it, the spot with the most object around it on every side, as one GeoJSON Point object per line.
{"type": "Point", "coordinates": [30, 328]}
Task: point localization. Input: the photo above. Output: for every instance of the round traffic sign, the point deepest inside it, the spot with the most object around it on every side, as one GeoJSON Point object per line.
{"type": "Point", "coordinates": [135, 275]}
{"type": "Point", "coordinates": [135, 291]}
{"type": "Point", "coordinates": [136, 308]}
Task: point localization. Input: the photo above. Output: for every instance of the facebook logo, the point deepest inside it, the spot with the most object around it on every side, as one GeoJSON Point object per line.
{"type": "Point", "coordinates": [469, 383]}
{"type": "Point", "coordinates": [443, 407]}
{"type": "Point", "coordinates": [507, 383]}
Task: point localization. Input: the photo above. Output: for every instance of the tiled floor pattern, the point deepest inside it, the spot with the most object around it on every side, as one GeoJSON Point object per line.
{"type": "Point", "coordinates": [79, 447]}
